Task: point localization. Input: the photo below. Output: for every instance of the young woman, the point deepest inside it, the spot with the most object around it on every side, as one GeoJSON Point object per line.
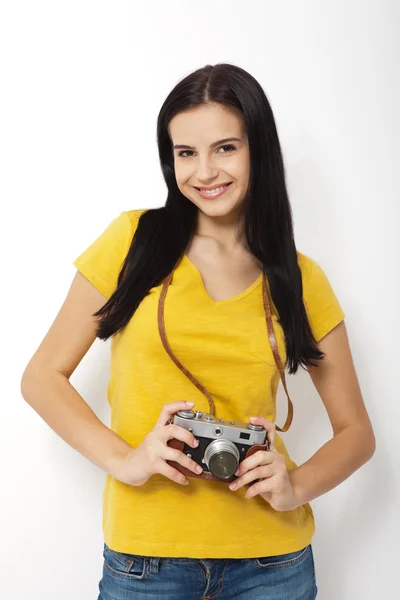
{"type": "Point", "coordinates": [183, 292]}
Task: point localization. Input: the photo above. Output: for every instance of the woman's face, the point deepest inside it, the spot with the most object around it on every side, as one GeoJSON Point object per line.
{"type": "Point", "coordinates": [201, 160]}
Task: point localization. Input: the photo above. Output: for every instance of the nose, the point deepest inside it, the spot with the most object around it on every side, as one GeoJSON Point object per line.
{"type": "Point", "coordinates": [206, 170]}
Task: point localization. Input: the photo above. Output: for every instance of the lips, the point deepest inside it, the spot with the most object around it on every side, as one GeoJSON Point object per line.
{"type": "Point", "coordinates": [211, 195]}
{"type": "Point", "coordinates": [214, 187]}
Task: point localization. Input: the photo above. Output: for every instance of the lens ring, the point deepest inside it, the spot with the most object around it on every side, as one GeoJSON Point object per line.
{"type": "Point", "coordinates": [222, 458]}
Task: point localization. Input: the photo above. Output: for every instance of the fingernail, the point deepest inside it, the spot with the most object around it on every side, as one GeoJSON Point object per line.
{"type": "Point", "coordinates": [196, 443]}
{"type": "Point", "coordinates": [253, 418]}
{"type": "Point", "coordinates": [232, 486]}
{"type": "Point", "coordinates": [190, 403]}
{"type": "Point", "coordinates": [237, 471]}
{"type": "Point", "coordinates": [199, 469]}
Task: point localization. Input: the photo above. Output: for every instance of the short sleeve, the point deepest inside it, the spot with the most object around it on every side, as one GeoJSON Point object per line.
{"type": "Point", "coordinates": [102, 260]}
{"type": "Point", "coordinates": [322, 306]}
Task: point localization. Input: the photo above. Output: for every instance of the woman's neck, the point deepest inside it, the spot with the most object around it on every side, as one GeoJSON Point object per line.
{"type": "Point", "coordinates": [226, 230]}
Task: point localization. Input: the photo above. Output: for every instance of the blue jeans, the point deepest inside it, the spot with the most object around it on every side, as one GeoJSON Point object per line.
{"type": "Point", "coordinates": [134, 577]}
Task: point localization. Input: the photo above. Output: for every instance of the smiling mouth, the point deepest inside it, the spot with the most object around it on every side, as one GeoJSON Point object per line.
{"type": "Point", "coordinates": [213, 189]}
{"type": "Point", "coordinates": [213, 193]}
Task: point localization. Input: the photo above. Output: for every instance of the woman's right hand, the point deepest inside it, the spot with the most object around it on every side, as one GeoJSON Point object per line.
{"type": "Point", "coordinates": [150, 457]}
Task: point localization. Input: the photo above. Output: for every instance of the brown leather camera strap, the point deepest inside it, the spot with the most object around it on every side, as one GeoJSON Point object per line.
{"type": "Point", "coordinates": [271, 337]}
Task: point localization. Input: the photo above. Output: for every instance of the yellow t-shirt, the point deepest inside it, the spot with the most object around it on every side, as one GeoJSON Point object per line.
{"type": "Point", "coordinates": [225, 345]}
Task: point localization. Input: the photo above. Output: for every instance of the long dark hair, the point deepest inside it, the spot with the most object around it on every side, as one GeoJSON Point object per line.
{"type": "Point", "coordinates": [164, 233]}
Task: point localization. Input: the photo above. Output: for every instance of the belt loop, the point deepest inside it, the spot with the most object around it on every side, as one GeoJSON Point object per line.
{"type": "Point", "coordinates": [154, 564]}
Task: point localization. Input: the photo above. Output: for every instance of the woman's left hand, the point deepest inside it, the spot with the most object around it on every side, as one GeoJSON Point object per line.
{"type": "Point", "coordinates": [269, 467]}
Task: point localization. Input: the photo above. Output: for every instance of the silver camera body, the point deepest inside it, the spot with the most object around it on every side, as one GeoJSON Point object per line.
{"type": "Point", "coordinates": [222, 444]}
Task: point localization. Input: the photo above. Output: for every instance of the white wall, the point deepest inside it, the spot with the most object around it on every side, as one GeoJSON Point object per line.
{"type": "Point", "coordinates": [82, 83]}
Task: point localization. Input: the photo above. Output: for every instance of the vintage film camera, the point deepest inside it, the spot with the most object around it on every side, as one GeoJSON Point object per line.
{"type": "Point", "coordinates": [223, 445]}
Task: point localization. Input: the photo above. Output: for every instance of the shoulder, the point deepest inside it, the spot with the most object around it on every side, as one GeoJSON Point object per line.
{"type": "Point", "coordinates": [312, 271]}
{"type": "Point", "coordinates": [122, 227]}
{"type": "Point", "coordinates": [133, 215]}
{"type": "Point", "coordinates": [306, 265]}
{"type": "Point", "coordinates": [322, 305]}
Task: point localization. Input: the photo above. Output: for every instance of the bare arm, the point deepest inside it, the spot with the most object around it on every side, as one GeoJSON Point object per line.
{"type": "Point", "coordinates": [353, 441]}
{"type": "Point", "coordinates": [46, 387]}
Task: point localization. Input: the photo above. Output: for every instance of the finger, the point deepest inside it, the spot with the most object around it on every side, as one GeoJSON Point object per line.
{"type": "Point", "coordinates": [261, 457]}
{"type": "Point", "coordinates": [177, 432]}
{"type": "Point", "coordinates": [171, 473]}
{"type": "Point", "coordinates": [261, 487]}
{"type": "Point", "coordinates": [170, 409]}
{"type": "Point", "coordinates": [269, 426]}
{"type": "Point", "coordinates": [263, 471]}
{"type": "Point", "coordinates": [180, 457]}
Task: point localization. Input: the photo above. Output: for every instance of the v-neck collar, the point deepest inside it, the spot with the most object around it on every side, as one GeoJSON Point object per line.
{"type": "Point", "coordinates": [235, 298]}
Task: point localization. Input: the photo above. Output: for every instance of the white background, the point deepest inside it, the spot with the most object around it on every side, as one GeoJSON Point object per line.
{"type": "Point", "coordinates": [81, 86]}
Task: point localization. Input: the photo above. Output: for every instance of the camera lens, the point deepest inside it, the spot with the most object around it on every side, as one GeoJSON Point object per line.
{"type": "Point", "coordinates": [222, 458]}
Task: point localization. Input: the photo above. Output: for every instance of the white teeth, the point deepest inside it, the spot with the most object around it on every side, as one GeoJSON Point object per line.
{"type": "Point", "coordinates": [215, 191]}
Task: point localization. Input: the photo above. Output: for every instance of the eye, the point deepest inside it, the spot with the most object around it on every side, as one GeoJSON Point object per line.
{"type": "Point", "coordinates": [183, 152]}
{"type": "Point", "coordinates": [228, 148]}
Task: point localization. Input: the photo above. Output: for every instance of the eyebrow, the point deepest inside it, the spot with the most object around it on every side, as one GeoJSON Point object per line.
{"type": "Point", "coordinates": [184, 146]}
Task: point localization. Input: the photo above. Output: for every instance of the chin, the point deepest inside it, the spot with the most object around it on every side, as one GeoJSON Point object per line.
{"type": "Point", "coordinates": [218, 207]}
{"type": "Point", "coordinates": [215, 210]}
